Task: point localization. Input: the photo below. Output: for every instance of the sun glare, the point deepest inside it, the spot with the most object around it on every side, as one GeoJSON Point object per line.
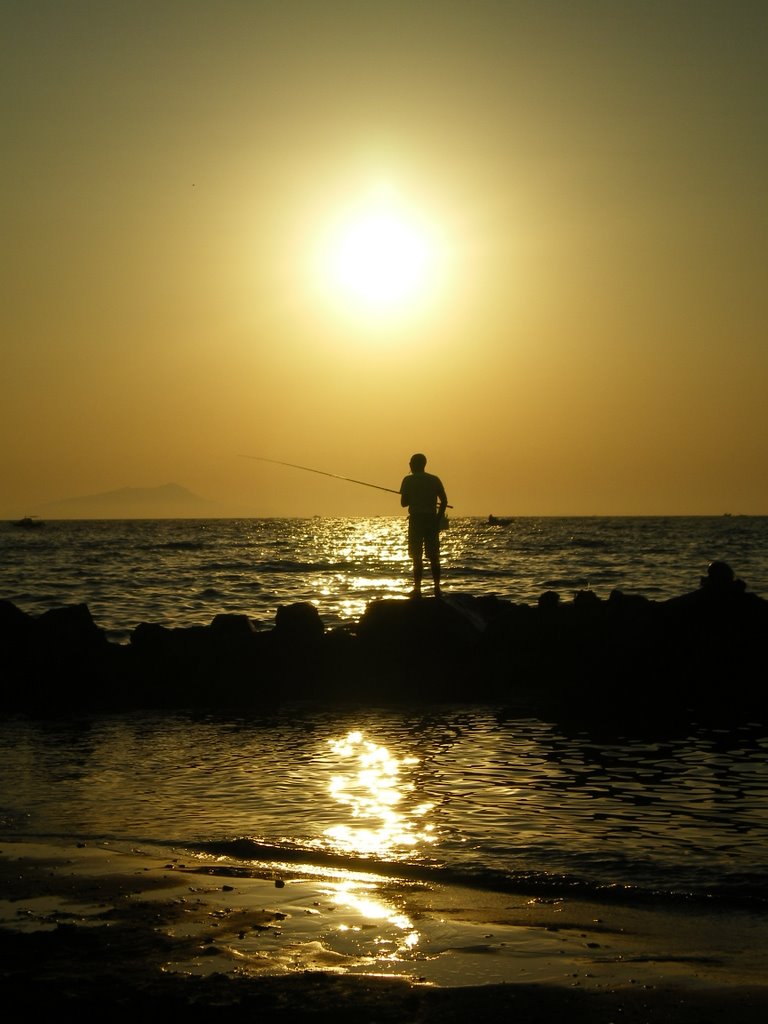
{"type": "Point", "coordinates": [380, 256]}
{"type": "Point", "coordinates": [381, 260]}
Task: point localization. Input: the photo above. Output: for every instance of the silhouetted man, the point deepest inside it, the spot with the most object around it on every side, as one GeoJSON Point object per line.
{"type": "Point", "coordinates": [424, 496]}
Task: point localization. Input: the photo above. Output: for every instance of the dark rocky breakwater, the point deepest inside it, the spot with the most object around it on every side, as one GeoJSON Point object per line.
{"type": "Point", "coordinates": [625, 658]}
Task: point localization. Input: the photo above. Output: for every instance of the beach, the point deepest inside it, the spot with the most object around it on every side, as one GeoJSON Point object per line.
{"type": "Point", "coordinates": [90, 927]}
{"type": "Point", "coordinates": [579, 782]}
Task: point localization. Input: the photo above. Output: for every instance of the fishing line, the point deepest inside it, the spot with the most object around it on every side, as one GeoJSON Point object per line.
{"type": "Point", "coordinates": [308, 469]}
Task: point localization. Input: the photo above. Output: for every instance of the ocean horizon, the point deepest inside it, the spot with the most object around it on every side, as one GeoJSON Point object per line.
{"type": "Point", "coordinates": [181, 572]}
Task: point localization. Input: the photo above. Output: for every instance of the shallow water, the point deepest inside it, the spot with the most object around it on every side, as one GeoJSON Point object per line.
{"type": "Point", "coordinates": [456, 795]}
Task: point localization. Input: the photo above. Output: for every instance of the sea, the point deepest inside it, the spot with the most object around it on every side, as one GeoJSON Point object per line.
{"type": "Point", "coordinates": [674, 814]}
{"type": "Point", "coordinates": [183, 572]}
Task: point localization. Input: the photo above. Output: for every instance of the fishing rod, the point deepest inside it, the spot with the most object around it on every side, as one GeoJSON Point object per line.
{"type": "Point", "coordinates": [308, 469]}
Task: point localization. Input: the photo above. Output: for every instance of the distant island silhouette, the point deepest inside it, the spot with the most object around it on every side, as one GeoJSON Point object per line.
{"type": "Point", "coordinates": [168, 501]}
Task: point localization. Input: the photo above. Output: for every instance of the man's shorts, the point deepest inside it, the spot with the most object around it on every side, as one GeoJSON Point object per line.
{"type": "Point", "coordinates": [423, 535]}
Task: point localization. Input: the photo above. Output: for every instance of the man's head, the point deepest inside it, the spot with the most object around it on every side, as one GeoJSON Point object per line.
{"type": "Point", "coordinates": [418, 462]}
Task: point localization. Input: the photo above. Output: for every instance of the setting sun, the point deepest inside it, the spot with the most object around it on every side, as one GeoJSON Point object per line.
{"type": "Point", "coordinates": [379, 256]}
{"type": "Point", "coordinates": [381, 260]}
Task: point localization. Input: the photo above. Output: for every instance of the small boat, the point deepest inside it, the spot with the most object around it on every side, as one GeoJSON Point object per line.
{"type": "Point", "coordinates": [28, 523]}
{"type": "Point", "coordinates": [499, 520]}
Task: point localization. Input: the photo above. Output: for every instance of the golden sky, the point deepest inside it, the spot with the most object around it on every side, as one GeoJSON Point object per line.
{"type": "Point", "coordinates": [527, 238]}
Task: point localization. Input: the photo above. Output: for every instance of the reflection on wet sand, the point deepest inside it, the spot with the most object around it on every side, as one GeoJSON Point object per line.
{"type": "Point", "coordinates": [366, 911]}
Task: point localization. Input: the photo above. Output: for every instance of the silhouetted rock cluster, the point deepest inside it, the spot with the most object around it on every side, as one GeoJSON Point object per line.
{"type": "Point", "coordinates": [587, 658]}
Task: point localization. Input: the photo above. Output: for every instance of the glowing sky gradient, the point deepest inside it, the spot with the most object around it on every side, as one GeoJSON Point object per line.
{"type": "Point", "coordinates": [591, 180]}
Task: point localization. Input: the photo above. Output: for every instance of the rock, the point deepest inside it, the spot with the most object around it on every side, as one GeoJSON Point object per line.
{"type": "Point", "coordinates": [298, 623]}
{"type": "Point", "coordinates": [585, 658]}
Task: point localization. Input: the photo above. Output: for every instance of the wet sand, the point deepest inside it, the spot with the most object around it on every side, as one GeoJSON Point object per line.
{"type": "Point", "coordinates": [91, 927]}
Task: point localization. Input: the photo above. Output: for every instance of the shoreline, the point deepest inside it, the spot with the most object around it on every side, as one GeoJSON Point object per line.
{"type": "Point", "coordinates": [83, 926]}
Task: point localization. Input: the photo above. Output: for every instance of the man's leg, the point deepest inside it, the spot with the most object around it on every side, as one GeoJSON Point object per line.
{"type": "Point", "coordinates": [433, 554]}
{"type": "Point", "coordinates": [435, 566]}
{"type": "Point", "coordinates": [418, 574]}
{"type": "Point", "coordinates": [416, 551]}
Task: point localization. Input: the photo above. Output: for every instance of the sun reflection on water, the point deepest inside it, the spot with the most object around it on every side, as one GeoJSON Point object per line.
{"type": "Point", "coordinates": [349, 596]}
{"type": "Point", "coordinates": [380, 813]}
{"type": "Point", "coordinates": [374, 789]}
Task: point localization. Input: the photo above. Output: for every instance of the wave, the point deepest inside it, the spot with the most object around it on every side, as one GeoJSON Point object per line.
{"type": "Point", "coordinates": [175, 545]}
{"type": "Point", "coordinates": [565, 583]}
{"type": "Point", "coordinates": [475, 572]}
{"type": "Point", "coordinates": [285, 566]}
{"type": "Point", "coordinates": [288, 567]}
{"type": "Point", "coordinates": [587, 542]}
{"type": "Point", "coordinates": [745, 892]}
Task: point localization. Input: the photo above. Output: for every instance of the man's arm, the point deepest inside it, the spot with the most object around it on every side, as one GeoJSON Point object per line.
{"type": "Point", "coordinates": [442, 501]}
{"type": "Point", "coordinates": [404, 498]}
